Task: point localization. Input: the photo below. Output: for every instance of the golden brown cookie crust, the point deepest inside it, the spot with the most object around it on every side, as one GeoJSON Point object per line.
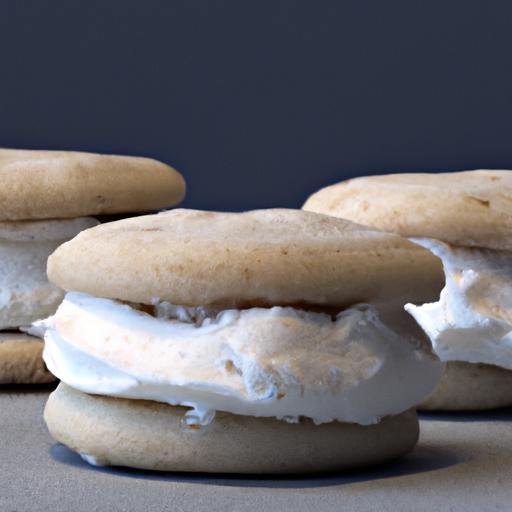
{"type": "Point", "coordinates": [65, 184]}
{"type": "Point", "coordinates": [263, 257]}
{"type": "Point", "coordinates": [21, 360]}
{"type": "Point", "coordinates": [470, 208]}
{"type": "Point", "coordinates": [470, 387]}
{"type": "Point", "coordinates": [151, 435]}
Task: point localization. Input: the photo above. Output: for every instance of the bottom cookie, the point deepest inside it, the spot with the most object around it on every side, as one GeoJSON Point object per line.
{"type": "Point", "coordinates": [152, 435]}
{"type": "Point", "coordinates": [470, 387]}
{"type": "Point", "coordinates": [21, 360]}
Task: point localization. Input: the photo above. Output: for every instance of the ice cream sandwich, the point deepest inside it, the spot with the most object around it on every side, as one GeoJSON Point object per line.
{"type": "Point", "coordinates": [465, 218]}
{"type": "Point", "coordinates": [270, 341]}
{"type": "Point", "coordinates": [47, 198]}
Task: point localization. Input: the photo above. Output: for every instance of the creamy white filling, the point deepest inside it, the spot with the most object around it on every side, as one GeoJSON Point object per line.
{"type": "Point", "coordinates": [92, 460]}
{"type": "Point", "coordinates": [25, 293]}
{"type": "Point", "coordinates": [472, 321]}
{"type": "Point", "coordinates": [278, 362]}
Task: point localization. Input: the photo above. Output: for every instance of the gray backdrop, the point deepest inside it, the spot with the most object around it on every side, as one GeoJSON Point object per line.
{"type": "Point", "coordinates": [261, 102]}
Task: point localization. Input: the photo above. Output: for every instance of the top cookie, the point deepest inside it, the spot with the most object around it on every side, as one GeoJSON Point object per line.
{"type": "Point", "coordinates": [470, 208]}
{"type": "Point", "coordinates": [263, 257]}
{"type": "Point", "coordinates": [63, 184]}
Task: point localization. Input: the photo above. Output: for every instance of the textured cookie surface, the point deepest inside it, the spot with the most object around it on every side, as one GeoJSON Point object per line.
{"type": "Point", "coordinates": [151, 435]}
{"type": "Point", "coordinates": [471, 208]}
{"type": "Point", "coordinates": [21, 360]}
{"type": "Point", "coordinates": [264, 257]}
{"type": "Point", "coordinates": [63, 184]}
{"type": "Point", "coordinates": [470, 387]}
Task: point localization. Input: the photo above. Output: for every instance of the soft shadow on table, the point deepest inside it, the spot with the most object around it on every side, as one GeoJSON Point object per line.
{"type": "Point", "coordinates": [420, 460]}
{"type": "Point", "coordinates": [21, 389]}
{"type": "Point", "coordinates": [468, 416]}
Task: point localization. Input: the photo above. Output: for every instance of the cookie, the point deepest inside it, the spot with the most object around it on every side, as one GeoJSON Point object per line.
{"type": "Point", "coordinates": [470, 387]}
{"type": "Point", "coordinates": [20, 360]}
{"type": "Point", "coordinates": [150, 435]}
{"type": "Point", "coordinates": [265, 257]}
{"type": "Point", "coordinates": [66, 184]}
{"type": "Point", "coordinates": [469, 208]}
{"type": "Point", "coordinates": [271, 341]}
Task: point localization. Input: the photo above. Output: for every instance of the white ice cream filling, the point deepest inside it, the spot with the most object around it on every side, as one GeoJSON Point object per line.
{"type": "Point", "coordinates": [25, 293]}
{"type": "Point", "coordinates": [278, 362]}
{"type": "Point", "coordinates": [92, 459]}
{"type": "Point", "coordinates": [472, 321]}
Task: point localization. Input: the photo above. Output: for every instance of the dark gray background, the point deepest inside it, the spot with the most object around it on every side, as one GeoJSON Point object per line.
{"type": "Point", "coordinates": [261, 102]}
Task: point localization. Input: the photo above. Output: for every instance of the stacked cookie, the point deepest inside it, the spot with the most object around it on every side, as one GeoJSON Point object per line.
{"type": "Point", "coordinates": [47, 197]}
{"type": "Point", "coordinates": [261, 342]}
{"type": "Point", "coordinates": [465, 218]}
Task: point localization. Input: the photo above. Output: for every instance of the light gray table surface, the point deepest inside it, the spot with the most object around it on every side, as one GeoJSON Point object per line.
{"type": "Point", "coordinates": [462, 462]}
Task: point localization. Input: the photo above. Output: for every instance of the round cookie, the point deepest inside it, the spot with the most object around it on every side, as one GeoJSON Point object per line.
{"type": "Point", "coordinates": [257, 258]}
{"type": "Point", "coordinates": [470, 386]}
{"type": "Point", "coordinates": [470, 208]}
{"type": "Point", "coordinates": [21, 361]}
{"type": "Point", "coordinates": [151, 435]}
{"type": "Point", "coordinates": [64, 184]}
